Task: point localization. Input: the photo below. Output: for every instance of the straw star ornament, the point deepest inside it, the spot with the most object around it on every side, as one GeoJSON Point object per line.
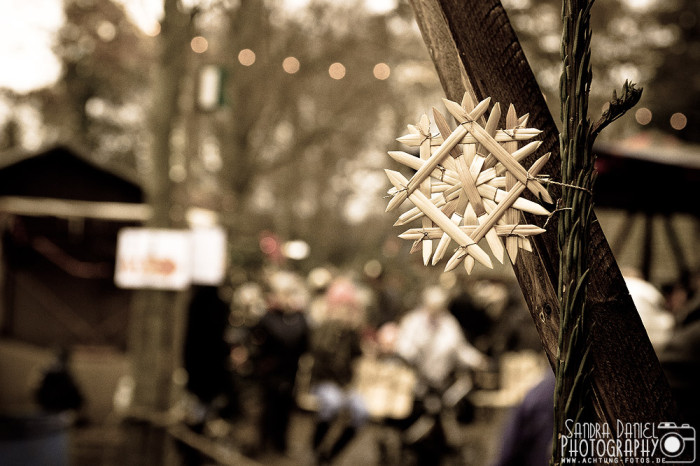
{"type": "Point", "coordinates": [468, 185]}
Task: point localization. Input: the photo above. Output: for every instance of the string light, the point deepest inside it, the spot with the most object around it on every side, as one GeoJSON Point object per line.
{"type": "Point", "coordinates": [199, 44]}
{"type": "Point", "coordinates": [336, 70]}
{"type": "Point", "coordinates": [107, 31]}
{"type": "Point", "coordinates": [290, 65]}
{"type": "Point", "coordinates": [153, 30]}
{"type": "Point", "coordinates": [381, 71]}
{"type": "Point", "coordinates": [246, 57]}
{"type": "Point", "coordinates": [678, 121]}
{"type": "Point", "coordinates": [643, 116]}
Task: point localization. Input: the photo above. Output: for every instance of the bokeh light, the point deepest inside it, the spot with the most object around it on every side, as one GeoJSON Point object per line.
{"type": "Point", "coordinates": [643, 116]}
{"type": "Point", "coordinates": [373, 268]}
{"type": "Point", "coordinates": [246, 57]}
{"type": "Point", "coordinates": [290, 65]}
{"type": "Point", "coordinates": [296, 249]}
{"type": "Point", "coordinates": [153, 30]}
{"type": "Point", "coordinates": [268, 244]}
{"type": "Point", "coordinates": [336, 71]}
{"type": "Point", "coordinates": [106, 31]}
{"type": "Point", "coordinates": [178, 173]}
{"type": "Point", "coordinates": [199, 44]}
{"type": "Point", "coordinates": [381, 71]}
{"type": "Point", "coordinates": [678, 121]}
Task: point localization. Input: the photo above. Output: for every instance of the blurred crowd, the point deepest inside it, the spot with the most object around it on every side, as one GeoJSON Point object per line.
{"type": "Point", "coordinates": [350, 350]}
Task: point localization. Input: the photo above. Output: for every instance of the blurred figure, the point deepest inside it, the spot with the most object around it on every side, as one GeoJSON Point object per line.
{"type": "Point", "coordinates": [206, 355]}
{"type": "Point", "coordinates": [651, 305]}
{"type": "Point", "coordinates": [249, 303]}
{"type": "Point", "coordinates": [528, 433]}
{"type": "Point", "coordinates": [386, 294]}
{"type": "Point", "coordinates": [682, 294]}
{"type": "Point", "coordinates": [677, 296]}
{"type": "Point", "coordinates": [474, 320]}
{"type": "Point", "coordinates": [57, 390]}
{"type": "Point", "coordinates": [680, 360]}
{"type": "Point", "coordinates": [499, 322]}
{"type": "Point", "coordinates": [335, 344]}
{"type": "Point", "coordinates": [431, 340]}
{"type": "Point", "coordinates": [281, 337]}
{"type": "Point", "coordinates": [318, 280]}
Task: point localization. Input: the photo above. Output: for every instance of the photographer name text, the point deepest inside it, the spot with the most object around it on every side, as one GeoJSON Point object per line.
{"type": "Point", "coordinates": [629, 443]}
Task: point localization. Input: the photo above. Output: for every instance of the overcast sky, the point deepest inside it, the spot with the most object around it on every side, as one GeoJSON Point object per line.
{"type": "Point", "coordinates": [27, 28]}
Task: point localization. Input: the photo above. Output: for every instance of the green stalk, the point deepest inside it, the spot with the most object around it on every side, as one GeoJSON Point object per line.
{"type": "Point", "coordinates": [572, 389]}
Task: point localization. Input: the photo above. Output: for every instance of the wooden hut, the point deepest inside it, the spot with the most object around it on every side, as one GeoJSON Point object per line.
{"type": "Point", "coordinates": [60, 217]}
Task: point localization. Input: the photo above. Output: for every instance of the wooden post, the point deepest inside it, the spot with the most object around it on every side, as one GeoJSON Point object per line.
{"type": "Point", "coordinates": [475, 49]}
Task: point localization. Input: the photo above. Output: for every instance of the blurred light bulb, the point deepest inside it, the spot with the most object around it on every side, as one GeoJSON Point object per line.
{"type": "Point", "coordinates": [336, 71]}
{"type": "Point", "coordinates": [381, 71]}
{"type": "Point", "coordinates": [199, 44]}
{"type": "Point", "coordinates": [678, 121]}
{"type": "Point", "coordinates": [246, 57]}
{"type": "Point", "coordinates": [643, 116]}
{"type": "Point", "coordinates": [290, 65]}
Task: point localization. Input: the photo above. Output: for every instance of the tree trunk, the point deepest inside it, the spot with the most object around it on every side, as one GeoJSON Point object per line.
{"type": "Point", "coordinates": [474, 48]}
{"type": "Point", "coordinates": [154, 314]}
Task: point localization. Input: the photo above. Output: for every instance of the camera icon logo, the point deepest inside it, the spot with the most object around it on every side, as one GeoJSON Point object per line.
{"type": "Point", "coordinates": [675, 441]}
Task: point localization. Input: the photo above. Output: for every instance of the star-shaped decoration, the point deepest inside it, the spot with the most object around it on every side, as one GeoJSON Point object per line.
{"type": "Point", "coordinates": [468, 184]}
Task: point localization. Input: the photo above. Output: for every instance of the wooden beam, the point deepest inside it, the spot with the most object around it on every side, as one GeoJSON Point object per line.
{"type": "Point", "coordinates": [68, 208]}
{"type": "Point", "coordinates": [475, 49]}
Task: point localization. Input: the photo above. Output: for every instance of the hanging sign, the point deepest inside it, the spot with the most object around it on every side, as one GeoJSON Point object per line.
{"type": "Point", "coordinates": [153, 258]}
{"type": "Point", "coordinates": [208, 255]}
{"type": "Point", "coordinates": [170, 259]}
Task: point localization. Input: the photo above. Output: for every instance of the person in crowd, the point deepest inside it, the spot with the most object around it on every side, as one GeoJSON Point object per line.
{"type": "Point", "coordinates": [431, 340]}
{"type": "Point", "coordinates": [526, 439]}
{"type": "Point", "coordinates": [473, 319]}
{"type": "Point", "coordinates": [386, 304]}
{"type": "Point", "coordinates": [651, 306]}
{"type": "Point", "coordinates": [494, 317]}
{"type": "Point", "coordinates": [335, 344]}
{"type": "Point", "coordinates": [680, 360]}
{"type": "Point", "coordinates": [57, 390]}
{"type": "Point", "coordinates": [280, 338]}
{"type": "Point", "coordinates": [206, 355]}
{"type": "Point", "coordinates": [318, 280]}
{"type": "Point", "coordinates": [680, 294]}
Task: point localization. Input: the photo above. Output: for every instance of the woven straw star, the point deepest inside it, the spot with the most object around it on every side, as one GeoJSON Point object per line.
{"type": "Point", "coordinates": [468, 184]}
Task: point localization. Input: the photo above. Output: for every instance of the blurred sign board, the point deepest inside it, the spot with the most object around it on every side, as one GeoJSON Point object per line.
{"type": "Point", "coordinates": [170, 259]}
{"type": "Point", "coordinates": [208, 255]}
